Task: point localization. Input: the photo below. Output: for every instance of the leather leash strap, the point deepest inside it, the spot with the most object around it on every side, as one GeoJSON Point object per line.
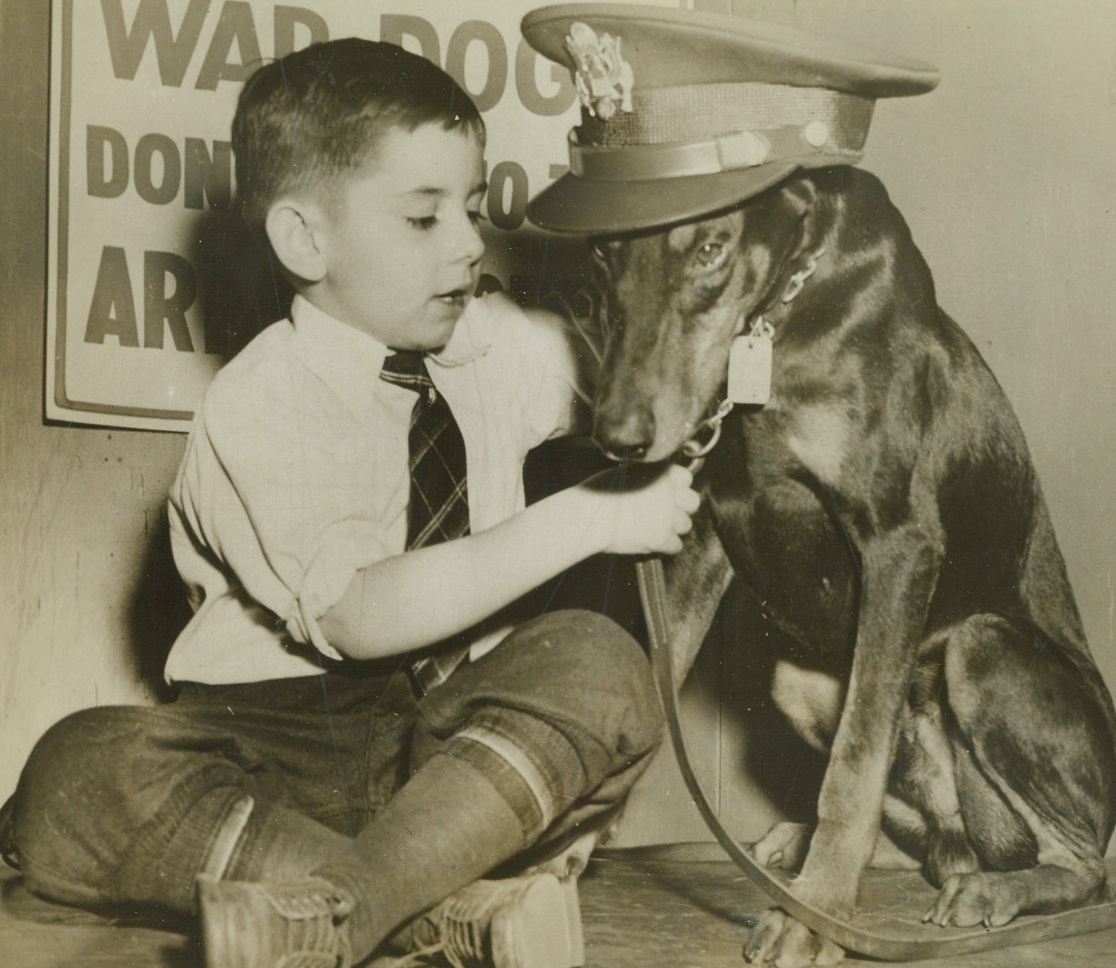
{"type": "Point", "coordinates": [908, 941]}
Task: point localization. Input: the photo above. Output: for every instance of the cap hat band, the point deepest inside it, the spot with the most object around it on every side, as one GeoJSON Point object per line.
{"type": "Point", "coordinates": [744, 149]}
{"type": "Point", "coordinates": [694, 112]}
{"type": "Point", "coordinates": [667, 134]}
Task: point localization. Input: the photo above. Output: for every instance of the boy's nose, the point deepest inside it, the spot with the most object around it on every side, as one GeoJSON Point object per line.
{"type": "Point", "coordinates": [467, 242]}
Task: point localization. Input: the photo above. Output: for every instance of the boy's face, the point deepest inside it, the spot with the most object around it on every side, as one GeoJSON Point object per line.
{"type": "Point", "coordinates": [402, 243]}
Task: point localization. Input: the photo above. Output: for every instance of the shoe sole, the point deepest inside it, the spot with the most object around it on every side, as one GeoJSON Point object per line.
{"type": "Point", "coordinates": [215, 931]}
{"type": "Point", "coordinates": [542, 929]}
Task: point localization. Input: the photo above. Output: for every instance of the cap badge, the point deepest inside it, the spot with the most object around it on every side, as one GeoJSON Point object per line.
{"type": "Point", "coordinates": [604, 79]}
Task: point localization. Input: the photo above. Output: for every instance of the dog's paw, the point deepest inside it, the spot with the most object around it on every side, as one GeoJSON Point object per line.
{"type": "Point", "coordinates": [780, 940]}
{"type": "Point", "coordinates": [967, 900]}
{"type": "Point", "coordinates": [784, 845]}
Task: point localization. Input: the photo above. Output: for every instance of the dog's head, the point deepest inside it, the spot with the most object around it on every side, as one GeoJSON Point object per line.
{"type": "Point", "coordinates": [672, 301]}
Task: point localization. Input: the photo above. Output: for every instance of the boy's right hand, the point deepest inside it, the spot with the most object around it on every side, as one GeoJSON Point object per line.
{"type": "Point", "coordinates": [641, 509]}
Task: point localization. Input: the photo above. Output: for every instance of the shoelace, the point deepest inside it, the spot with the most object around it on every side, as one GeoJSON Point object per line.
{"type": "Point", "coordinates": [464, 943]}
{"type": "Point", "coordinates": [461, 943]}
{"type": "Point", "coordinates": [312, 934]}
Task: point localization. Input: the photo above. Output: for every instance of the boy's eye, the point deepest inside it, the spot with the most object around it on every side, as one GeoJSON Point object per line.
{"type": "Point", "coordinates": [423, 222]}
{"type": "Point", "coordinates": [476, 217]}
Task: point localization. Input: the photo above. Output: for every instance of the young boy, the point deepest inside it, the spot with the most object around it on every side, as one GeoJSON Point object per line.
{"type": "Point", "coordinates": [318, 778]}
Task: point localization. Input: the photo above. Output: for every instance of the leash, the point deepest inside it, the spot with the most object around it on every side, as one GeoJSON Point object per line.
{"type": "Point", "coordinates": [891, 937]}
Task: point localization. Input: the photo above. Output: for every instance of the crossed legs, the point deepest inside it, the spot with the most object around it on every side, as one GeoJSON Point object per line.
{"type": "Point", "coordinates": [400, 802]}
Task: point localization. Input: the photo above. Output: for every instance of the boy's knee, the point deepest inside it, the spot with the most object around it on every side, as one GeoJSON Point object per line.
{"type": "Point", "coordinates": [85, 771]}
{"type": "Point", "coordinates": [581, 668]}
{"type": "Point", "coordinates": [115, 805]}
{"type": "Point", "coordinates": [576, 639]}
{"type": "Point", "coordinates": [63, 755]}
{"type": "Point", "coordinates": [57, 790]}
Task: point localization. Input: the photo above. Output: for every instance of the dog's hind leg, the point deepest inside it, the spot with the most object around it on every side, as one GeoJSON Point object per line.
{"type": "Point", "coordinates": [1036, 773]}
{"type": "Point", "coordinates": [924, 814]}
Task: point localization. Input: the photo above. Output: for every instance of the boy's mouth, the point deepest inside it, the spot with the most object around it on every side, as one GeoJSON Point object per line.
{"type": "Point", "coordinates": [453, 296]}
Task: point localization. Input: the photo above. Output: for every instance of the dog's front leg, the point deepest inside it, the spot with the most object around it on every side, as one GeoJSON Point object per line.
{"type": "Point", "coordinates": [697, 578]}
{"type": "Point", "coordinates": [899, 570]}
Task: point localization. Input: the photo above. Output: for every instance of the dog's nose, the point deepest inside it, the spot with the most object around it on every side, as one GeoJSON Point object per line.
{"type": "Point", "coordinates": [626, 454]}
{"type": "Point", "coordinates": [627, 438]}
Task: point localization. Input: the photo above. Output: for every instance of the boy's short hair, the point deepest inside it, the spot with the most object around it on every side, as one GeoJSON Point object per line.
{"type": "Point", "coordinates": [305, 120]}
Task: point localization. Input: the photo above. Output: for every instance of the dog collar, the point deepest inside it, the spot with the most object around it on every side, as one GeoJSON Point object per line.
{"type": "Point", "coordinates": [694, 449]}
{"type": "Point", "coordinates": [760, 324]}
{"type": "Point", "coordinates": [751, 361]}
{"type": "Point", "coordinates": [752, 352]}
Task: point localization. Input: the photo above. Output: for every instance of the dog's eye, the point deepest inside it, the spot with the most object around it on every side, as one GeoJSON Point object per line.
{"type": "Point", "coordinates": [599, 250]}
{"type": "Point", "coordinates": [709, 254]}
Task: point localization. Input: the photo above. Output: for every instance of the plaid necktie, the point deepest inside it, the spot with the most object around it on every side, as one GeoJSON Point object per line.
{"type": "Point", "coordinates": [438, 509]}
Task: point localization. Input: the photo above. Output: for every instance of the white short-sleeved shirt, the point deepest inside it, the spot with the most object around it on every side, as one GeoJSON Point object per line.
{"type": "Point", "coordinates": [295, 474]}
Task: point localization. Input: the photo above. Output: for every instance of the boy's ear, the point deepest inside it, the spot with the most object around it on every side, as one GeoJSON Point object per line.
{"type": "Point", "coordinates": [293, 229]}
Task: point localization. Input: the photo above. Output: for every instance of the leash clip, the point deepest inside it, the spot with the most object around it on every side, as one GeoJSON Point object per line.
{"type": "Point", "coordinates": [694, 450]}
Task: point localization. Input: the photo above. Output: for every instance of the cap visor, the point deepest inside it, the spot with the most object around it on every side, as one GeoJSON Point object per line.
{"type": "Point", "coordinates": [586, 206]}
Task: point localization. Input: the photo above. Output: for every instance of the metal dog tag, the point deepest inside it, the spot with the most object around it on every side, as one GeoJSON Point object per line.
{"type": "Point", "coordinates": [750, 363]}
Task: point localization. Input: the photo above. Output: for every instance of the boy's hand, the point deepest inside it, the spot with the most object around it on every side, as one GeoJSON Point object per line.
{"type": "Point", "coordinates": [635, 509]}
{"type": "Point", "coordinates": [642, 509]}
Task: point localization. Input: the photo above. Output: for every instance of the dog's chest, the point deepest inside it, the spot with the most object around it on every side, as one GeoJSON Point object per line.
{"type": "Point", "coordinates": [767, 489]}
{"type": "Point", "coordinates": [817, 437]}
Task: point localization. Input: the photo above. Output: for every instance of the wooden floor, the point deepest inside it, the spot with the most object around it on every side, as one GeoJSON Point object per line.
{"type": "Point", "coordinates": [639, 911]}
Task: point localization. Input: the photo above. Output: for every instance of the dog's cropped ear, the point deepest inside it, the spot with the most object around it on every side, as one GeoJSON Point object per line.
{"type": "Point", "coordinates": [801, 197]}
{"type": "Point", "coordinates": [801, 194]}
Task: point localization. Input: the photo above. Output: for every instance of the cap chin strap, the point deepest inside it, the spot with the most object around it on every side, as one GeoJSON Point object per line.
{"type": "Point", "coordinates": [730, 152]}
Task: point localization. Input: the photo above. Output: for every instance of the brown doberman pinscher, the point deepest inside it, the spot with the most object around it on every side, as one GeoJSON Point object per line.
{"type": "Point", "coordinates": [883, 508]}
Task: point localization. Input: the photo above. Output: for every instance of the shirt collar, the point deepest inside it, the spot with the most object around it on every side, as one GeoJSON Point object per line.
{"type": "Point", "coordinates": [343, 357]}
{"type": "Point", "coordinates": [332, 348]}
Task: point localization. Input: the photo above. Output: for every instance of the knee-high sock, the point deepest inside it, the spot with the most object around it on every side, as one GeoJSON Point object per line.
{"type": "Point", "coordinates": [283, 846]}
{"type": "Point", "coordinates": [475, 804]}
